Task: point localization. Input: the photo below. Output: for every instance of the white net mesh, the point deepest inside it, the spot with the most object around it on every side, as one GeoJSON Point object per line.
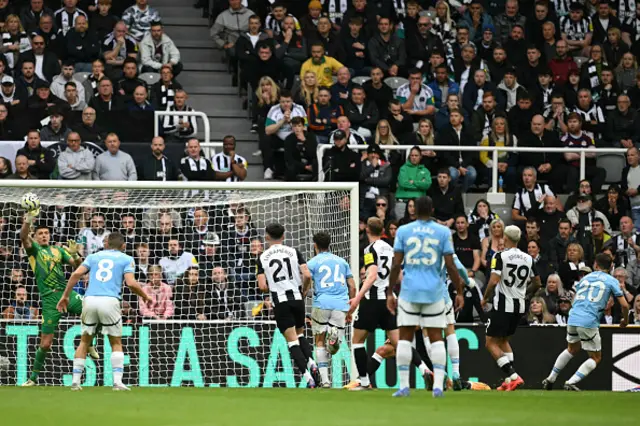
{"type": "Point", "coordinates": [208, 325]}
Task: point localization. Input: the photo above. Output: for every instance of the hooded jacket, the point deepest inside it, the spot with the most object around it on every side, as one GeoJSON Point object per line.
{"type": "Point", "coordinates": [511, 95]}
{"type": "Point", "coordinates": [229, 25]}
{"type": "Point", "coordinates": [76, 165]}
{"type": "Point", "coordinates": [413, 181]}
{"type": "Point", "coordinates": [58, 83]}
{"type": "Point", "coordinates": [170, 53]}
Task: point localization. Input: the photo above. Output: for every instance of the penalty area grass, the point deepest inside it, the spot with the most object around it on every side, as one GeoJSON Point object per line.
{"type": "Point", "coordinates": [290, 407]}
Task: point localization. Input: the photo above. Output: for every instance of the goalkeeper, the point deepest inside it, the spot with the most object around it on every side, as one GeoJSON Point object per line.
{"type": "Point", "coordinates": [47, 264]}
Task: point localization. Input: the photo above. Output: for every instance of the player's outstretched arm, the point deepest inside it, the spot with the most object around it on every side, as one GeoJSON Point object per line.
{"type": "Point", "coordinates": [454, 275]}
{"type": "Point", "coordinates": [130, 281]}
{"type": "Point", "coordinates": [624, 306]}
{"type": "Point", "coordinates": [73, 280]}
{"type": "Point", "coordinates": [25, 231]}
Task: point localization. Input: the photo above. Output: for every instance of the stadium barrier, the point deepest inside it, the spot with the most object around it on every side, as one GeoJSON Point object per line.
{"type": "Point", "coordinates": [254, 354]}
{"type": "Point", "coordinates": [493, 195]}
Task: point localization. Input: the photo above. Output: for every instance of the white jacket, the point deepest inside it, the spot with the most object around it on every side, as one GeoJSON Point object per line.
{"type": "Point", "coordinates": [174, 267]}
{"type": "Point", "coordinates": [170, 53]}
{"type": "Point", "coordinates": [57, 87]}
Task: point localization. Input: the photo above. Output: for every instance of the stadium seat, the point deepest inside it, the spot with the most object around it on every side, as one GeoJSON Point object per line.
{"type": "Point", "coordinates": [613, 164]}
{"type": "Point", "coordinates": [81, 77]}
{"type": "Point", "coordinates": [150, 78]}
{"type": "Point", "coordinates": [360, 80]}
{"type": "Point", "coordinates": [395, 82]}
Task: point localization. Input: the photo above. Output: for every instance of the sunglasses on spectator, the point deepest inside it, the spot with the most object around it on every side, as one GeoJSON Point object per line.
{"type": "Point", "coordinates": [381, 204]}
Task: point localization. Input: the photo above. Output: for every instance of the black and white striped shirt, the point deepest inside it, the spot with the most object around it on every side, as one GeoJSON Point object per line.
{"type": "Point", "coordinates": [222, 163]}
{"type": "Point", "coordinates": [65, 20]}
{"type": "Point", "coordinates": [515, 269]}
{"type": "Point", "coordinates": [280, 265]}
{"type": "Point", "coordinates": [271, 23]}
{"type": "Point", "coordinates": [526, 201]}
{"type": "Point", "coordinates": [335, 10]}
{"type": "Point", "coordinates": [626, 9]}
{"type": "Point", "coordinates": [380, 254]}
{"type": "Point", "coordinates": [562, 7]}
{"type": "Point", "coordinates": [170, 123]}
{"type": "Point", "coordinates": [594, 113]}
{"type": "Point", "coordinates": [575, 30]}
{"type": "Point", "coordinates": [631, 25]}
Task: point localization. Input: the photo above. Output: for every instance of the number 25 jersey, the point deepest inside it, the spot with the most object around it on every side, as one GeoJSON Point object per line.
{"type": "Point", "coordinates": [280, 265]}
{"type": "Point", "coordinates": [379, 253]}
{"type": "Point", "coordinates": [515, 269]}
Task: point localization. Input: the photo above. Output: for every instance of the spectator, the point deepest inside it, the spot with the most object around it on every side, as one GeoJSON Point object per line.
{"type": "Point", "coordinates": [142, 262]}
{"type": "Point", "coordinates": [443, 25]}
{"type": "Point", "coordinates": [613, 205]}
{"type": "Point", "coordinates": [593, 118]}
{"type": "Point", "coordinates": [475, 18]}
{"type": "Point", "coordinates": [139, 100]}
{"type": "Point", "coordinates": [426, 136]}
{"type": "Point", "coordinates": [543, 266]}
{"type": "Point", "coordinates": [492, 243]}
{"type": "Point", "coordinates": [498, 63]}
{"type": "Point", "coordinates": [442, 87]}
{"type": "Point", "coordinates": [548, 166]}
{"type": "Point", "coordinates": [482, 118]}
{"type": "Point", "coordinates": [409, 212]}
{"type": "Point", "coordinates": [236, 248]}
{"type": "Point", "coordinates": [246, 48]}
{"type": "Point", "coordinates": [164, 225]}
{"type": "Point", "coordinates": [195, 167]}
{"type": "Point", "coordinates": [625, 246]}
{"type": "Point", "coordinates": [521, 115]}
{"type": "Point", "coordinates": [6, 169]}
{"type": "Point", "coordinates": [161, 306]}
{"type": "Point", "coordinates": [75, 162]}
{"type": "Point", "coordinates": [114, 164]}
{"type": "Point", "coordinates": [538, 313]}
{"type": "Point", "coordinates": [384, 138]}
{"type": "Point", "coordinates": [133, 237]}
{"type": "Point", "coordinates": [626, 72]}
{"type": "Point", "coordinates": [532, 233]}
{"type": "Point", "coordinates": [291, 47]}
{"type": "Point", "coordinates": [88, 130]}
{"type": "Point", "coordinates": [570, 269]}
{"type": "Point", "coordinates": [228, 165]}
{"type": "Point", "coordinates": [83, 46]}
{"type": "Point", "coordinates": [500, 136]}
{"type": "Point", "coordinates": [163, 92]}
{"type": "Point", "coordinates": [375, 180]}
{"type": "Point", "coordinates": [447, 200]}
{"type": "Point", "coordinates": [558, 244]}
{"type": "Point", "coordinates": [157, 166]}
{"type": "Point", "coordinates": [179, 128]}
{"type": "Point", "coordinates": [307, 93]}
{"type": "Point", "coordinates": [340, 163]}
{"type": "Point", "coordinates": [377, 91]}
{"type": "Point", "coordinates": [11, 96]}
{"type": "Point", "coordinates": [362, 113]}
{"type": "Point", "coordinates": [14, 41]}
{"type": "Point", "coordinates": [227, 29]}
{"type": "Point", "coordinates": [529, 199]}
{"type": "Point", "coordinates": [228, 303]}
{"type": "Point", "coordinates": [416, 97]}
{"type": "Point", "coordinates": [634, 315]}
{"type": "Point", "coordinates": [414, 179]}
{"type": "Point", "coordinates": [323, 115]}
{"type": "Point", "coordinates": [157, 49]}
{"type": "Point", "coordinates": [71, 96]}
{"type": "Point", "coordinates": [93, 237]}
{"type": "Point", "coordinates": [42, 99]}
{"type": "Point", "coordinates": [67, 17]}
{"type": "Point", "coordinates": [20, 308]}
{"type": "Point", "coordinates": [575, 137]}
{"type": "Point", "coordinates": [459, 163]}
{"type": "Point", "coordinates": [139, 19]}
{"type": "Point", "coordinates": [175, 262]}
{"type": "Point", "coordinates": [341, 89]}
{"type": "Point", "coordinates": [481, 218]}
{"type": "Point", "coordinates": [623, 126]}
{"type": "Point", "coordinates": [59, 82]}
{"type": "Point", "coordinates": [556, 114]}
{"type": "Point", "coordinates": [102, 20]}
{"type": "Point", "coordinates": [322, 65]}
{"type": "Point", "coordinates": [468, 249]}
{"type": "Point", "coordinates": [106, 100]}
{"type": "Point", "coordinates": [330, 40]}
{"type": "Point", "coordinates": [387, 51]}
{"type": "Point", "coordinates": [26, 81]}
{"type": "Point", "coordinates": [553, 293]}
{"type": "Point", "coordinates": [56, 130]}
{"type": "Point", "coordinates": [118, 46]}
{"type": "Point", "coordinates": [420, 44]}
{"type": "Point", "coordinates": [442, 116]}
{"type": "Point", "coordinates": [355, 45]}
{"type": "Point", "coordinates": [466, 65]}
{"type": "Point", "coordinates": [300, 157]}
{"type": "Point", "coordinates": [630, 183]}
{"type": "Point", "coordinates": [22, 169]}
{"type": "Point", "coordinates": [541, 28]}
{"type": "Point", "coordinates": [92, 82]}
{"type": "Point", "coordinates": [30, 15]}
{"type": "Point", "coordinates": [602, 22]}
{"type": "Point", "coordinates": [562, 64]}
{"type": "Point", "coordinates": [577, 30]}
{"type": "Point", "coordinates": [201, 235]}
{"type": "Point", "coordinates": [266, 96]}
{"type": "Point", "coordinates": [190, 297]}
{"type": "Point", "coordinates": [129, 81]}
{"type": "Point", "coordinates": [309, 22]}
{"type": "Point", "coordinates": [548, 219]}
{"type": "Point", "coordinates": [274, 22]}
{"type": "Point", "coordinates": [41, 160]}
{"type": "Point", "coordinates": [596, 240]}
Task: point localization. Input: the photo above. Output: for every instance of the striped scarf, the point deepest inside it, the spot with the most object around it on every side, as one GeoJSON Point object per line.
{"type": "Point", "coordinates": [594, 78]}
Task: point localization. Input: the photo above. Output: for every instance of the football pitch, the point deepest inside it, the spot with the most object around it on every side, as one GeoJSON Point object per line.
{"type": "Point", "coordinates": [289, 407]}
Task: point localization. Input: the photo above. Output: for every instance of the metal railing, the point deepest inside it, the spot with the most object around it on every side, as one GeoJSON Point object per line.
{"type": "Point", "coordinates": [200, 114]}
{"type": "Point", "coordinates": [493, 149]}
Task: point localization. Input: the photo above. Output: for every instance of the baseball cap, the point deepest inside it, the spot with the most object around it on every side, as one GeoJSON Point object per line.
{"type": "Point", "coordinates": [8, 80]}
{"type": "Point", "coordinates": [374, 149]}
{"type": "Point", "coordinates": [315, 4]}
{"type": "Point", "coordinates": [339, 135]}
{"type": "Point", "coordinates": [575, 6]}
{"type": "Point", "coordinates": [585, 269]}
{"type": "Point", "coordinates": [41, 84]}
{"type": "Point", "coordinates": [585, 197]}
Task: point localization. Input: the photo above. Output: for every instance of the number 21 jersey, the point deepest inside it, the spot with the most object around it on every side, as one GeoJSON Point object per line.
{"type": "Point", "coordinates": [515, 269]}
{"type": "Point", "coordinates": [280, 265]}
{"type": "Point", "coordinates": [380, 254]}
{"type": "Point", "coordinates": [106, 272]}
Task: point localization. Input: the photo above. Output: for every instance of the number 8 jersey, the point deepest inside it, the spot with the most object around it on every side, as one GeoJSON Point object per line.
{"type": "Point", "coordinates": [280, 264]}
{"type": "Point", "coordinates": [106, 272]}
{"type": "Point", "coordinates": [515, 269]}
{"type": "Point", "coordinates": [380, 254]}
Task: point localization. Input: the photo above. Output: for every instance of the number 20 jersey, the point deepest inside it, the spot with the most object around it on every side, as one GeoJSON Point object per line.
{"type": "Point", "coordinates": [515, 269]}
{"type": "Point", "coordinates": [280, 265]}
{"type": "Point", "coordinates": [592, 294]}
{"type": "Point", "coordinates": [106, 272]}
{"type": "Point", "coordinates": [379, 253]}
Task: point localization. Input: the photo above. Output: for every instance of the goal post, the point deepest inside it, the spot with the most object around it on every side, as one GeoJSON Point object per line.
{"type": "Point", "coordinates": [188, 341]}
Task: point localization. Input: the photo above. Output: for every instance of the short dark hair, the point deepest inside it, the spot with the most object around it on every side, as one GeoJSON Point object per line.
{"type": "Point", "coordinates": [604, 261]}
{"type": "Point", "coordinates": [41, 226]}
{"type": "Point", "coordinates": [598, 220]}
{"type": "Point", "coordinates": [115, 241]}
{"type": "Point", "coordinates": [130, 60]}
{"type": "Point", "coordinates": [233, 138]}
{"type": "Point", "coordinates": [356, 20]}
{"type": "Point", "coordinates": [72, 84]}
{"type": "Point", "coordinates": [565, 220]}
{"type": "Point", "coordinates": [285, 93]}
{"type": "Point", "coordinates": [275, 231]}
{"type": "Point", "coordinates": [444, 171]}
{"type": "Point", "coordinates": [424, 206]}
{"type": "Point", "coordinates": [460, 215]}
{"type": "Point", "coordinates": [296, 121]}
{"type": "Point", "coordinates": [413, 71]}
{"type": "Point", "coordinates": [317, 43]}
{"type": "Point", "coordinates": [322, 240]}
{"type": "Point", "coordinates": [533, 220]}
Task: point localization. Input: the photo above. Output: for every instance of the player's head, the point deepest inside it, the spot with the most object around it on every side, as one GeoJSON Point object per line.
{"type": "Point", "coordinates": [512, 236]}
{"type": "Point", "coordinates": [603, 262]}
{"type": "Point", "coordinates": [424, 207]}
{"type": "Point", "coordinates": [115, 241]}
{"type": "Point", "coordinates": [274, 233]}
{"type": "Point", "coordinates": [322, 241]}
{"type": "Point", "coordinates": [42, 235]}
{"type": "Point", "coordinates": [375, 227]}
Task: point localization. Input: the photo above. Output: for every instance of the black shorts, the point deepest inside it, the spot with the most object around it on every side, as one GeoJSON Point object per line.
{"type": "Point", "coordinates": [289, 314]}
{"type": "Point", "coordinates": [503, 324]}
{"type": "Point", "coordinates": [374, 314]}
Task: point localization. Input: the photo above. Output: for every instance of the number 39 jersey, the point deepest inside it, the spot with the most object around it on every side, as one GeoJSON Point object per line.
{"type": "Point", "coordinates": [515, 269]}
{"type": "Point", "coordinates": [280, 265]}
{"type": "Point", "coordinates": [107, 269]}
{"type": "Point", "coordinates": [592, 294]}
{"type": "Point", "coordinates": [380, 254]}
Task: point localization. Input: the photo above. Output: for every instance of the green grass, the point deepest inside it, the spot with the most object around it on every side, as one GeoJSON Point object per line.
{"type": "Point", "coordinates": [289, 407]}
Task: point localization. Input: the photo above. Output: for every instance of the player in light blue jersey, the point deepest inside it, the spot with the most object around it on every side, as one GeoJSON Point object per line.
{"type": "Point", "coordinates": [101, 304]}
{"type": "Point", "coordinates": [333, 287]}
{"type": "Point", "coordinates": [420, 249]}
{"type": "Point", "coordinates": [592, 294]}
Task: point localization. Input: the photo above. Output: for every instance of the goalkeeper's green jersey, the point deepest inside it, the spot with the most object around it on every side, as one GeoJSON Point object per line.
{"type": "Point", "coordinates": [47, 265]}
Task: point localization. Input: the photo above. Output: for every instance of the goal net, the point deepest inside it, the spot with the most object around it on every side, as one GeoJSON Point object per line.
{"type": "Point", "coordinates": [195, 251]}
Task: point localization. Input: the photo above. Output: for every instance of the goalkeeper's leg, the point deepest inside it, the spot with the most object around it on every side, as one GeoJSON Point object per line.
{"type": "Point", "coordinates": [75, 307]}
{"type": "Point", "coordinates": [46, 340]}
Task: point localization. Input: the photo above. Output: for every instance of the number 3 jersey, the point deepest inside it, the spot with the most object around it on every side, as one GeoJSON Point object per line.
{"type": "Point", "coordinates": [280, 265]}
{"type": "Point", "coordinates": [106, 272]}
{"type": "Point", "coordinates": [330, 274]}
{"type": "Point", "coordinates": [515, 269]}
{"type": "Point", "coordinates": [592, 294]}
{"type": "Point", "coordinates": [380, 254]}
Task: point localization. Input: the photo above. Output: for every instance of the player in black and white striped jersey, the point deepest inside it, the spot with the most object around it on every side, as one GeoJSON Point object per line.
{"type": "Point", "coordinates": [513, 276]}
{"type": "Point", "coordinates": [228, 165]}
{"type": "Point", "coordinates": [281, 270]}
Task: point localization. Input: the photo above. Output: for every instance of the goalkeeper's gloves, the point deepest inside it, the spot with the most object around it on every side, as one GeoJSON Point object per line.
{"type": "Point", "coordinates": [32, 215]}
{"type": "Point", "coordinates": [72, 248]}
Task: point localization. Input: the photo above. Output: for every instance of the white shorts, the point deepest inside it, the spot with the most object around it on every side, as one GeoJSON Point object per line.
{"type": "Point", "coordinates": [101, 311]}
{"type": "Point", "coordinates": [425, 315]}
{"type": "Point", "coordinates": [323, 319]}
{"type": "Point", "coordinates": [450, 313]}
{"type": "Point", "coordinates": [589, 338]}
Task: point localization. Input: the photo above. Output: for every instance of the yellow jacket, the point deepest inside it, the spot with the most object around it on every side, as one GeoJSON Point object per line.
{"type": "Point", "coordinates": [486, 157]}
{"type": "Point", "coordinates": [324, 70]}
